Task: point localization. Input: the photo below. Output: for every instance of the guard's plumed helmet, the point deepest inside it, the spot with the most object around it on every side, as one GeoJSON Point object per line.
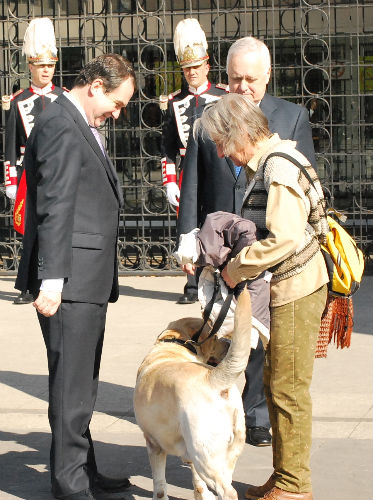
{"type": "Point", "coordinates": [190, 43]}
{"type": "Point", "coordinates": [39, 42]}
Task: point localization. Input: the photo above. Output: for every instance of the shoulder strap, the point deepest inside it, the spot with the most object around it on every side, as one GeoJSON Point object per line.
{"type": "Point", "coordinates": [251, 185]}
{"type": "Point", "coordinates": [297, 164]}
{"type": "Point", "coordinates": [294, 161]}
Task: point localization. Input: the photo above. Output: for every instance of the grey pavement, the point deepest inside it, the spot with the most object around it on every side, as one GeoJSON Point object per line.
{"type": "Point", "coordinates": [342, 451]}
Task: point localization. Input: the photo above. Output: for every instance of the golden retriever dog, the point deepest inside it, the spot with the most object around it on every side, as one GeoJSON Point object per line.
{"type": "Point", "coordinates": [188, 408]}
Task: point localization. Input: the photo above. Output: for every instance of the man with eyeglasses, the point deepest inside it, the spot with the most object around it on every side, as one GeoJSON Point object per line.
{"type": "Point", "coordinates": [69, 259]}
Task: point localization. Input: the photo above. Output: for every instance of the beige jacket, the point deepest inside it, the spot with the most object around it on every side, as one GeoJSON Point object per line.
{"type": "Point", "coordinates": [286, 219]}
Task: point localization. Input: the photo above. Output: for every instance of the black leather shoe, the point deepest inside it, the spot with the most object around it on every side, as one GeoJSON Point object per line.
{"type": "Point", "coordinates": [23, 298]}
{"type": "Point", "coordinates": [258, 436]}
{"type": "Point", "coordinates": [110, 484]}
{"type": "Point", "coordinates": [187, 298]}
{"type": "Point", "coordinates": [80, 495]}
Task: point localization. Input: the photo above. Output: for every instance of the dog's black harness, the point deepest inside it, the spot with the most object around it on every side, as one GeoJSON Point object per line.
{"type": "Point", "coordinates": [194, 341]}
{"type": "Point", "coordinates": [189, 344]}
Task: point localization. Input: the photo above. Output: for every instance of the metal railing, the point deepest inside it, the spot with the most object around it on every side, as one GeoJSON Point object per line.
{"type": "Point", "coordinates": [322, 58]}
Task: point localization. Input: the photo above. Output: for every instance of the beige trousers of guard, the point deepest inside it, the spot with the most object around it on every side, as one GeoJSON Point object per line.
{"type": "Point", "coordinates": [288, 371]}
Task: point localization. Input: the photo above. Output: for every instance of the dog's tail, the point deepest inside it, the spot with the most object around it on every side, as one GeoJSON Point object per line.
{"type": "Point", "coordinates": [225, 374]}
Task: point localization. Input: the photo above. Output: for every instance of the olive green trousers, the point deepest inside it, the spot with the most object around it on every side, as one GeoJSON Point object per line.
{"type": "Point", "coordinates": [288, 371]}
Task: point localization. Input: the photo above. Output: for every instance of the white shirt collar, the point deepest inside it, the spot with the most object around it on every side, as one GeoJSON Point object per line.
{"type": "Point", "coordinates": [199, 90]}
{"type": "Point", "coordinates": [42, 91]}
{"type": "Point", "coordinates": [77, 105]}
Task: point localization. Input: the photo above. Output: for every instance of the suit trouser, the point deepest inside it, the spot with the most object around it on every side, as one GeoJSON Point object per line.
{"type": "Point", "coordinates": [191, 285]}
{"type": "Point", "coordinates": [73, 338]}
{"type": "Point", "coordinates": [253, 397]}
{"type": "Point", "coordinates": [288, 372]}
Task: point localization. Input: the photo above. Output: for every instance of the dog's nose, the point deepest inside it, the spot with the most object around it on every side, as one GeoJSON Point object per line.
{"type": "Point", "coordinates": [212, 361]}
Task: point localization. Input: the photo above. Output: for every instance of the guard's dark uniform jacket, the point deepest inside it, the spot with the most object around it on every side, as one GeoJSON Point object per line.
{"type": "Point", "coordinates": [183, 108]}
{"type": "Point", "coordinates": [26, 105]}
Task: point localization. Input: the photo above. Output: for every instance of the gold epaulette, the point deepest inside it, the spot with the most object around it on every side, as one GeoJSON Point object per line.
{"type": "Point", "coordinates": [222, 86]}
{"type": "Point", "coordinates": [163, 102]}
{"type": "Point", "coordinates": [7, 99]}
{"type": "Point", "coordinates": [5, 102]}
{"type": "Point", "coordinates": [171, 96]}
{"type": "Point", "coordinates": [17, 93]}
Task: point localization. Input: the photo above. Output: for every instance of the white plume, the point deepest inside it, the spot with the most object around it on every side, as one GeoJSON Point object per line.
{"type": "Point", "coordinates": [188, 33]}
{"type": "Point", "coordinates": [39, 38]}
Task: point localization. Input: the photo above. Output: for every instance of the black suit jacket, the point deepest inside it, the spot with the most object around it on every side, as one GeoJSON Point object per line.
{"type": "Point", "coordinates": [209, 182]}
{"type": "Point", "coordinates": [73, 201]}
{"type": "Point", "coordinates": [290, 121]}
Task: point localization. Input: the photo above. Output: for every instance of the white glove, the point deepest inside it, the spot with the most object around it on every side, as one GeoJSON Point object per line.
{"type": "Point", "coordinates": [11, 192]}
{"type": "Point", "coordinates": [173, 193]}
{"type": "Point", "coordinates": [187, 252]}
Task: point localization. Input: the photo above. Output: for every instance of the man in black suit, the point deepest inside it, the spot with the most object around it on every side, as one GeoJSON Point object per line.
{"type": "Point", "coordinates": [211, 183]}
{"type": "Point", "coordinates": [69, 259]}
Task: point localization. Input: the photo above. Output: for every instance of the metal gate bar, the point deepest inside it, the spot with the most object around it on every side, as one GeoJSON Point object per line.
{"type": "Point", "coordinates": [322, 58]}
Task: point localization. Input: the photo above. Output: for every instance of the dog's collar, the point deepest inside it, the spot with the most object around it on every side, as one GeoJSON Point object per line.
{"type": "Point", "coordinates": [185, 343]}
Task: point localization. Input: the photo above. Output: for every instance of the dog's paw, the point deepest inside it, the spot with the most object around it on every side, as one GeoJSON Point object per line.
{"type": "Point", "coordinates": [203, 493]}
{"type": "Point", "coordinates": [160, 496]}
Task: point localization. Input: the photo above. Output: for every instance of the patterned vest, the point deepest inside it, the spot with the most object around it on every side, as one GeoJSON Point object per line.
{"type": "Point", "coordinates": [255, 204]}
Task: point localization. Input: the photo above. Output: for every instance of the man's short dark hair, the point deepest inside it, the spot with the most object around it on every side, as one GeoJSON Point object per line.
{"type": "Point", "coordinates": [113, 69]}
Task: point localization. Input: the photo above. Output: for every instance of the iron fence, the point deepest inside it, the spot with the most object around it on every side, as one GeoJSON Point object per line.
{"type": "Point", "coordinates": [322, 58]}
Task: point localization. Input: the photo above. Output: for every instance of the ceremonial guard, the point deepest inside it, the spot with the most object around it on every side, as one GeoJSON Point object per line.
{"type": "Point", "coordinates": [181, 109]}
{"type": "Point", "coordinates": [22, 109]}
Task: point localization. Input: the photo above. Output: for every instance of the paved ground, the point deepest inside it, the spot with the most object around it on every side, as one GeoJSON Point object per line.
{"type": "Point", "coordinates": [342, 452]}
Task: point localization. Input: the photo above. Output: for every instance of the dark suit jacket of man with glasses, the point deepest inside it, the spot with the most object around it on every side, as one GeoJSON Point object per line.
{"type": "Point", "coordinates": [73, 201]}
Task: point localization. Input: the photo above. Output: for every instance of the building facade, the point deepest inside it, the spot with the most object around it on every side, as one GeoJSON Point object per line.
{"type": "Point", "coordinates": [322, 55]}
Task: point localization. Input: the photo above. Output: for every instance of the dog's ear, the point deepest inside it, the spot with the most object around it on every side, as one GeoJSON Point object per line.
{"type": "Point", "coordinates": [186, 327]}
{"type": "Point", "coordinates": [169, 333]}
{"type": "Point", "coordinates": [214, 350]}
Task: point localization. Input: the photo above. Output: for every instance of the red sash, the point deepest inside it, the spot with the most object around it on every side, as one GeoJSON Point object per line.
{"type": "Point", "coordinates": [180, 181]}
{"type": "Point", "coordinates": [20, 205]}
